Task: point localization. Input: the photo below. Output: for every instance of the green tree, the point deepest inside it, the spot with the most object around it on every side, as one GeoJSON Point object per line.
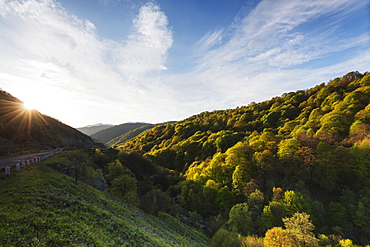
{"type": "Point", "coordinates": [79, 160]}
{"type": "Point", "coordinates": [267, 219]}
{"type": "Point", "coordinates": [240, 178]}
{"type": "Point", "coordinates": [225, 238]}
{"type": "Point", "coordinates": [125, 188]}
{"type": "Point", "coordinates": [294, 202]}
{"type": "Point", "coordinates": [325, 171]}
{"type": "Point", "coordinates": [361, 152]}
{"type": "Point", "coordinates": [225, 198]}
{"type": "Point", "coordinates": [240, 219]}
{"type": "Point", "coordinates": [116, 169]}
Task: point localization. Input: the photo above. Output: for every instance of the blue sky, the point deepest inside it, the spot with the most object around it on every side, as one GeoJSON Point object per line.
{"type": "Point", "coordinates": [116, 61]}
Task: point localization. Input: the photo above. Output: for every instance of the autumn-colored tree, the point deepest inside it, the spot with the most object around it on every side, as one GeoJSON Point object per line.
{"type": "Point", "coordinates": [278, 237]}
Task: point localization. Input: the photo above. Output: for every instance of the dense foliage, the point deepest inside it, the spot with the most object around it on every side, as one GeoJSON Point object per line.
{"type": "Point", "coordinates": [250, 169]}
{"type": "Point", "coordinates": [22, 129]}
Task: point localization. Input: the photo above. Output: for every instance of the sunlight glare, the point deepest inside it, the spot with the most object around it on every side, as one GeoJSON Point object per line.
{"type": "Point", "coordinates": [29, 106]}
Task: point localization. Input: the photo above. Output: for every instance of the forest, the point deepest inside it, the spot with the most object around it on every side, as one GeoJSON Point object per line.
{"type": "Point", "coordinates": [290, 171]}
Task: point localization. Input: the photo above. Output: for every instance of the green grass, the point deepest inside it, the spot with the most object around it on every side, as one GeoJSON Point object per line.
{"type": "Point", "coordinates": [41, 207]}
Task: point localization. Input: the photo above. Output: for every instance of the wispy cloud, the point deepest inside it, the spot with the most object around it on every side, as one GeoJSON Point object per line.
{"type": "Point", "coordinates": [60, 57]}
{"type": "Point", "coordinates": [259, 58]}
{"type": "Point", "coordinates": [51, 49]}
{"type": "Point", "coordinates": [207, 42]}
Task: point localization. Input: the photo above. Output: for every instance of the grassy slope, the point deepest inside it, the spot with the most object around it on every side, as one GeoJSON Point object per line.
{"type": "Point", "coordinates": [40, 207]}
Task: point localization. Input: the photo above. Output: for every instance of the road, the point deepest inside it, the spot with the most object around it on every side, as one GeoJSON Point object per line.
{"type": "Point", "coordinates": [30, 158]}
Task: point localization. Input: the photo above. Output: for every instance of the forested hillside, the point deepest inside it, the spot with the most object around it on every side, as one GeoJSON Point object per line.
{"type": "Point", "coordinates": [130, 134]}
{"type": "Point", "coordinates": [249, 170]}
{"type": "Point", "coordinates": [22, 129]}
{"type": "Point", "coordinates": [106, 135]}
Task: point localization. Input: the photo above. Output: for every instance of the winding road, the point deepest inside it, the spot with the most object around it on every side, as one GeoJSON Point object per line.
{"type": "Point", "coordinates": [26, 159]}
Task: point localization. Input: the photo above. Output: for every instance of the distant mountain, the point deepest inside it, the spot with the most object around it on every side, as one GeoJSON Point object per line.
{"type": "Point", "coordinates": [106, 135]}
{"type": "Point", "coordinates": [133, 133]}
{"type": "Point", "coordinates": [22, 129]}
{"type": "Point", "coordinates": [130, 134]}
{"type": "Point", "coordinates": [91, 129]}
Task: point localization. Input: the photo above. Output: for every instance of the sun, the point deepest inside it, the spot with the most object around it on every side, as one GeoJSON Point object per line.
{"type": "Point", "coordinates": [29, 105]}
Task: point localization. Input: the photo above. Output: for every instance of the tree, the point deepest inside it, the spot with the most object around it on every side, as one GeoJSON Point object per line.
{"type": "Point", "coordinates": [79, 161]}
{"type": "Point", "coordinates": [300, 228]}
{"type": "Point", "coordinates": [306, 157]}
{"type": "Point", "coordinates": [287, 153]}
{"type": "Point", "coordinates": [240, 220]}
{"type": "Point", "coordinates": [225, 198]}
{"type": "Point", "coordinates": [240, 177]}
{"type": "Point", "coordinates": [294, 202]}
{"type": "Point", "coordinates": [225, 238]}
{"type": "Point", "coordinates": [155, 201]}
{"type": "Point", "coordinates": [125, 188]}
{"type": "Point", "coordinates": [116, 169]}
{"type": "Point", "coordinates": [267, 219]}
{"type": "Point", "coordinates": [278, 237]}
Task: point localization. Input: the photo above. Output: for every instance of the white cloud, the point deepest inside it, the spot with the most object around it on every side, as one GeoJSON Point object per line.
{"type": "Point", "coordinates": [48, 52]}
{"type": "Point", "coordinates": [50, 48]}
{"type": "Point", "coordinates": [146, 49]}
{"type": "Point", "coordinates": [257, 61]}
{"type": "Point", "coordinates": [207, 41]}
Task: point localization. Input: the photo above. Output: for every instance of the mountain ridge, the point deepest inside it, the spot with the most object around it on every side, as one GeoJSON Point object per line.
{"type": "Point", "coordinates": [91, 129]}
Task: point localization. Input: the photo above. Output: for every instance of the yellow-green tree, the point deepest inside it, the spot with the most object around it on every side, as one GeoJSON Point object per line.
{"type": "Point", "coordinates": [278, 237]}
{"type": "Point", "coordinates": [300, 228]}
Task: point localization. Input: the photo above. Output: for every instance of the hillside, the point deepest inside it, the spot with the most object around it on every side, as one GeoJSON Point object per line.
{"type": "Point", "coordinates": [106, 135]}
{"type": "Point", "coordinates": [253, 166]}
{"type": "Point", "coordinates": [41, 207]}
{"type": "Point", "coordinates": [22, 129]}
{"type": "Point", "coordinates": [91, 129]}
{"type": "Point", "coordinates": [130, 134]}
{"type": "Point", "coordinates": [133, 133]}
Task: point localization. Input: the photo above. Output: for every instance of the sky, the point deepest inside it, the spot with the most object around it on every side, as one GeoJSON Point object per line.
{"type": "Point", "coordinates": [116, 61]}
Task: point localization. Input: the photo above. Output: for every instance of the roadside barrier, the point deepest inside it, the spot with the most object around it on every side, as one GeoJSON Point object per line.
{"type": "Point", "coordinates": [7, 170]}
{"type": "Point", "coordinates": [27, 162]}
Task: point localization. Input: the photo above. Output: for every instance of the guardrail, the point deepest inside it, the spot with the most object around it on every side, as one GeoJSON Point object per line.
{"type": "Point", "coordinates": [26, 162]}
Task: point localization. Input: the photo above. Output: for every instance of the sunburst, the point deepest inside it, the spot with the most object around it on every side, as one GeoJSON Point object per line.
{"type": "Point", "coordinates": [21, 119]}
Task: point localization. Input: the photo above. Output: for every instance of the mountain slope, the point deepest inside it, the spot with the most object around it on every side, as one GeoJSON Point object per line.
{"type": "Point", "coordinates": [28, 129]}
{"type": "Point", "coordinates": [130, 134]}
{"type": "Point", "coordinates": [40, 207]}
{"type": "Point", "coordinates": [91, 129]}
{"type": "Point", "coordinates": [305, 151]}
{"type": "Point", "coordinates": [108, 134]}
{"type": "Point", "coordinates": [316, 111]}
{"type": "Point", "coordinates": [133, 133]}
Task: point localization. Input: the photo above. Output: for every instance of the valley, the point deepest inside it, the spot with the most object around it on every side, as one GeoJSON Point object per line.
{"type": "Point", "coordinates": [293, 171]}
